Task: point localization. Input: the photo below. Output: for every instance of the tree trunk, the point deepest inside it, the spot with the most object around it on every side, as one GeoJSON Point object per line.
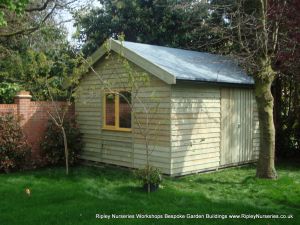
{"type": "Point", "coordinates": [66, 149]}
{"type": "Point", "coordinates": [277, 116]}
{"type": "Point", "coordinates": [265, 102]}
{"type": "Point", "coordinates": [147, 165]}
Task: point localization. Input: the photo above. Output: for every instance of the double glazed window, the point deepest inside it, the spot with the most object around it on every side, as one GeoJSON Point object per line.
{"type": "Point", "coordinates": [117, 111]}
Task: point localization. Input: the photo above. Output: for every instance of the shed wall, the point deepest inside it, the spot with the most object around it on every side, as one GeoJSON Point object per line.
{"type": "Point", "coordinates": [256, 132]}
{"type": "Point", "coordinates": [202, 125]}
{"type": "Point", "coordinates": [238, 131]}
{"type": "Point", "coordinates": [119, 147]}
{"type": "Point", "coordinates": [195, 122]}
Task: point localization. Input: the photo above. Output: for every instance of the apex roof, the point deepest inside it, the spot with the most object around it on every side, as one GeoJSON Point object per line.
{"type": "Point", "coordinates": [171, 64]}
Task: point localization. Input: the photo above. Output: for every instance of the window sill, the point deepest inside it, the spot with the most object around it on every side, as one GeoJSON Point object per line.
{"type": "Point", "coordinates": [117, 129]}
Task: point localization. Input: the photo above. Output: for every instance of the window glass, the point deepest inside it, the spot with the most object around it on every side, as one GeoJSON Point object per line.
{"type": "Point", "coordinates": [124, 109]}
{"type": "Point", "coordinates": [110, 109]}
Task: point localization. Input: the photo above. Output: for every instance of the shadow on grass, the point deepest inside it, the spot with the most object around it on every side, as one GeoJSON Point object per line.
{"type": "Point", "coordinates": [77, 172]}
{"type": "Point", "coordinates": [288, 166]}
{"type": "Point", "coordinates": [207, 180]}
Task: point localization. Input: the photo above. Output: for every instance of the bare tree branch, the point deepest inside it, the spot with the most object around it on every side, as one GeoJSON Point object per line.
{"type": "Point", "coordinates": [40, 7]}
{"type": "Point", "coordinates": [30, 29]}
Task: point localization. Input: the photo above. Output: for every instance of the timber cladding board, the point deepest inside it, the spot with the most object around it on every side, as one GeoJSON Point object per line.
{"type": "Point", "coordinates": [256, 134]}
{"type": "Point", "coordinates": [188, 169]}
{"type": "Point", "coordinates": [143, 63]}
{"type": "Point", "coordinates": [124, 148]}
{"type": "Point", "coordinates": [195, 123]}
{"type": "Point", "coordinates": [199, 115]}
{"type": "Point", "coordinates": [239, 126]}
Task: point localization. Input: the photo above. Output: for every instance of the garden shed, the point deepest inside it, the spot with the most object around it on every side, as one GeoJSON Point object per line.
{"type": "Point", "coordinates": [201, 111]}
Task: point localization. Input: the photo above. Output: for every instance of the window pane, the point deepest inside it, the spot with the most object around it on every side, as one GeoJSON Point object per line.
{"type": "Point", "coordinates": [125, 111]}
{"type": "Point", "coordinates": [110, 109]}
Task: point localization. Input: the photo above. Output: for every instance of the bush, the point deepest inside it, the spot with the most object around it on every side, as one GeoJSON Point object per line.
{"type": "Point", "coordinates": [149, 175]}
{"type": "Point", "coordinates": [8, 91]}
{"type": "Point", "coordinates": [14, 149]}
{"type": "Point", "coordinates": [53, 145]}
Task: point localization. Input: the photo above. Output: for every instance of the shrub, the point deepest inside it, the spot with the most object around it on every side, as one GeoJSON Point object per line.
{"type": "Point", "coordinates": [8, 91]}
{"type": "Point", "coordinates": [14, 149]}
{"type": "Point", "coordinates": [149, 176]}
{"type": "Point", "coordinates": [53, 145]}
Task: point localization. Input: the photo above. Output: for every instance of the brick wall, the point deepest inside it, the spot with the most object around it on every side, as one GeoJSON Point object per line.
{"type": "Point", "coordinates": [34, 117]}
{"type": "Point", "coordinates": [8, 108]}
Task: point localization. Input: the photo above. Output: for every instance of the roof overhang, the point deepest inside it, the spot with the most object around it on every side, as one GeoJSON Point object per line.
{"type": "Point", "coordinates": [214, 83]}
{"type": "Point", "coordinates": [116, 46]}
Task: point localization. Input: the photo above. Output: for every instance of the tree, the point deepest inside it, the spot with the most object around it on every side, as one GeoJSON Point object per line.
{"type": "Point", "coordinates": [12, 6]}
{"type": "Point", "coordinates": [23, 17]}
{"type": "Point", "coordinates": [180, 24]}
{"type": "Point", "coordinates": [52, 64]}
{"type": "Point", "coordinates": [287, 83]}
{"type": "Point", "coordinates": [35, 55]}
{"type": "Point", "coordinates": [65, 86]}
{"type": "Point", "coordinates": [27, 59]}
{"type": "Point", "coordinates": [263, 37]}
{"type": "Point", "coordinates": [28, 56]}
{"type": "Point", "coordinates": [256, 38]}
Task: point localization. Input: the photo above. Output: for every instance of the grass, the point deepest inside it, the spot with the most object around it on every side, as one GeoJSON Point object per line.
{"type": "Point", "coordinates": [58, 199]}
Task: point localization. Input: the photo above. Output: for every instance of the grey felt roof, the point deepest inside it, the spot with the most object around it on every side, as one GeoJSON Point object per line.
{"type": "Point", "coordinates": [191, 65]}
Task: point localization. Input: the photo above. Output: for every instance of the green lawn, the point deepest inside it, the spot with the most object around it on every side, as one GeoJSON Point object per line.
{"type": "Point", "coordinates": [57, 199]}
